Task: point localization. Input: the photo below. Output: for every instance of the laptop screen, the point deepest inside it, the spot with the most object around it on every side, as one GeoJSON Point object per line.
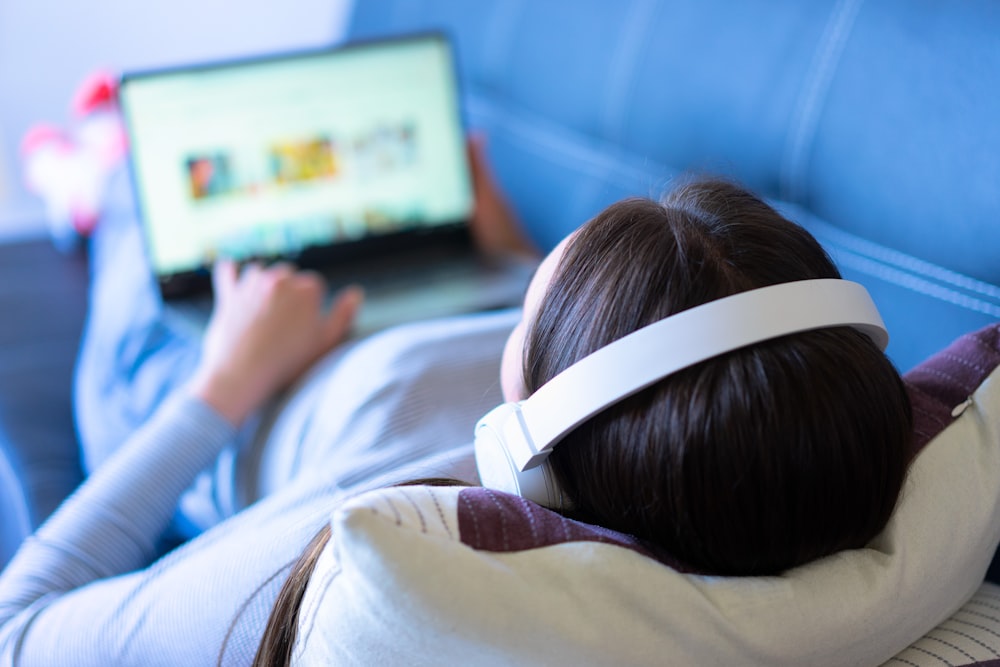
{"type": "Point", "coordinates": [275, 156]}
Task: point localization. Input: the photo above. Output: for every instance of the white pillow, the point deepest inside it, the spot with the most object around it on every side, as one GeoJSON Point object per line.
{"type": "Point", "coordinates": [399, 583]}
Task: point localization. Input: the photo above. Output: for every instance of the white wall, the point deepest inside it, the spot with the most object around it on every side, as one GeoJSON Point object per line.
{"type": "Point", "coordinates": [48, 46]}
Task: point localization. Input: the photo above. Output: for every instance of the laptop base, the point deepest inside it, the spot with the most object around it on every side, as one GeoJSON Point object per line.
{"type": "Point", "coordinates": [458, 286]}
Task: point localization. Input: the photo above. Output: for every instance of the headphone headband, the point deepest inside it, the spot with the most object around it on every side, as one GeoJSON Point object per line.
{"type": "Point", "coordinates": [639, 359]}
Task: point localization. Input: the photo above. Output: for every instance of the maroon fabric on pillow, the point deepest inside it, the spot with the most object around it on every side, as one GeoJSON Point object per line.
{"type": "Point", "coordinates": [947, 379]}
{"type": "Point", "coordinates": [494, 521]}
{"type": "Point", "coordinates": [491, 520]}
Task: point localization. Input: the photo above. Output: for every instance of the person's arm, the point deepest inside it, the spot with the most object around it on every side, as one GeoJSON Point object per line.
{"type": "Point", "coordinates": [269, 326]}
{"type": "Point", "coordinates": [111, 524]}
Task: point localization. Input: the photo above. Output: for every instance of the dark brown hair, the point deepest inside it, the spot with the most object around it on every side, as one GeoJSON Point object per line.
{"type": "Point", "coordinates": [275, 649]}
{"type": "Point", "coordinates": [750, 463]}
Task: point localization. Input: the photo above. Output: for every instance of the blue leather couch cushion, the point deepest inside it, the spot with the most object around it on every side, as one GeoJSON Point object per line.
{"type": "Point", "coordinates": [873, 121]}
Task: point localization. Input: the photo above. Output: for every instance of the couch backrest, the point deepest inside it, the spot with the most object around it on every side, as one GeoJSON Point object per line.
{"type": "Point", "coordinates": [872, 123]}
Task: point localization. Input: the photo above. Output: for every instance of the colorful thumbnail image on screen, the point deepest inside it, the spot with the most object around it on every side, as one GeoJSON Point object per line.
{"type": "Point", "coordinates": [385, 149]}
{"type": "Point", "coordinates": [209, 175]}
{"type": "Point", "coordinates": [382, 150]}
{"type": "Point", "coordinates": [298, 161]}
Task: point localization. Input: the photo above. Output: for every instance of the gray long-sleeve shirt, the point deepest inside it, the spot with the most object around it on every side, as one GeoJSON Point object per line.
{"type": "Point", "coordinates": [84, 590]}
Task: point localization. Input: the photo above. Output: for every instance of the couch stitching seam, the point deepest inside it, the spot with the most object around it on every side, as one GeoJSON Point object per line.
{"type": "Point", "coordinates": [810, 104]}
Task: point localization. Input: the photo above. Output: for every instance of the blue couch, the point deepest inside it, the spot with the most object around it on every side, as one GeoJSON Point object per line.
{"type": "Point", "coordinates": [871, 123]}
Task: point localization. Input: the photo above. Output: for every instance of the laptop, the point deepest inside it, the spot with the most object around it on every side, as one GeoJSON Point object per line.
{"type": "Point", "coordinates": [351, 161]}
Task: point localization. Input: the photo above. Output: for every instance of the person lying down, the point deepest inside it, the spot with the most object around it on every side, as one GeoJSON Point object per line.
{"type": "Point", "coordinates": [764, 454]}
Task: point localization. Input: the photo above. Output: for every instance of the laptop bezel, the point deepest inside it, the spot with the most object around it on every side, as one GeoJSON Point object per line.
{"type": "Point", "coordinates": [449, 234]}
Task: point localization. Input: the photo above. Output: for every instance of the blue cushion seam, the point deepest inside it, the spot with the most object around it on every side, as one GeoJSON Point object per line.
{"type": "Point", "coordinates": [901, 260]}
{"type": "Point", "coordinates": [552, 142]}
{"type": "Point", "coordinates": [632, 43]}
{"type": "Point", "coordinates": [914, 283]}
{"type": "Point", "coordinates": [805, 119]}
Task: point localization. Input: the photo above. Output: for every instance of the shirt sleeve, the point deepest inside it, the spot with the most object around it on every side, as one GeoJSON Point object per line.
{"type": "Point", "coordinates": [110, 525]}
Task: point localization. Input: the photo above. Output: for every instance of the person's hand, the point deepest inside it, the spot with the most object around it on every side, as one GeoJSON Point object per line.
{"type": "Point", "coordinates": [269, 325]}
{"type": "Point", "coordinates": [495, 227]}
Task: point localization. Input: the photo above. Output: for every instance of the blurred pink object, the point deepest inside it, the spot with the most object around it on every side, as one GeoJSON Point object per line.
{"type": "Point", "coordinates": [70, 169]}
{"type": "Point", "coordinates": [98, 90]}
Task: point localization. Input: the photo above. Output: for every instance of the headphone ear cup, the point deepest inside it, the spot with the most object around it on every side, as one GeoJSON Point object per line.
{"type": "Point", "coordinates": [496, 466]}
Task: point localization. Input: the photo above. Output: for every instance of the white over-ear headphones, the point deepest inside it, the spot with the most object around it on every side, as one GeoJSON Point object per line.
{"type": "Point", "coordinates": [514, 439]}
